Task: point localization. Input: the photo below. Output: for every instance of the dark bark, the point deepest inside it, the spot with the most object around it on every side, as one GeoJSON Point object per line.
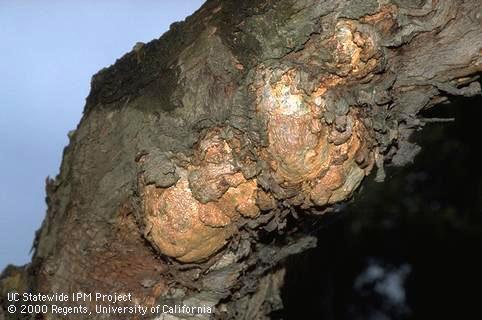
{"type": "Point", "coordinates": [198, 154]}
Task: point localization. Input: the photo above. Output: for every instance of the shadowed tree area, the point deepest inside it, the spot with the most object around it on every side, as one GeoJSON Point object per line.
{"type": "Point", "coordinates": [422, 226]}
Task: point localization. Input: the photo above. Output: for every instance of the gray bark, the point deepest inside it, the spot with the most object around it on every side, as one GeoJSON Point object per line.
{"type": "Point", "coordinates": [199, 153]}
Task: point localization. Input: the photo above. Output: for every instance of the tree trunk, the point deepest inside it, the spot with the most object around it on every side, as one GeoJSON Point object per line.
{"type": "Point", "coordinates": [200, 155]}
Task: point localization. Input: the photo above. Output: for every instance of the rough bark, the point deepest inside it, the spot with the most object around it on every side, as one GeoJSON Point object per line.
{"type": "Point", "coordinates": [199, 154]}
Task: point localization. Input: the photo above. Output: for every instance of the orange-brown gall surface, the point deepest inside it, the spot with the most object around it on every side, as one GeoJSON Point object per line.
{"type": "Point", "coordinates": [182, 227]}
{"type": "Point", "coordinates": [315, 155]}
{"type": "Point", "coordinates": [384, 20]}
{"type": "Point", "coordinates": [355, 52]}
{"type": "Point", "coordinates": [312, 162]}
{"type": "Point", "coordinates": [191, 228]}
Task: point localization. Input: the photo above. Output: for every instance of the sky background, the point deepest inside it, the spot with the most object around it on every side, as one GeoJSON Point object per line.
{"type": "Point", "coordinates": [49, 51]}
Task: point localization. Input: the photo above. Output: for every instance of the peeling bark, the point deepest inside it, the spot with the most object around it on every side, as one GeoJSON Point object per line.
{"type": "Point", "coordinates": [195, 149]}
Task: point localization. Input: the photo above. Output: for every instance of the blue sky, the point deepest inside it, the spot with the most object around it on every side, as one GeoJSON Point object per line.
{"type": "Point", "coordinates": [48, 52]}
